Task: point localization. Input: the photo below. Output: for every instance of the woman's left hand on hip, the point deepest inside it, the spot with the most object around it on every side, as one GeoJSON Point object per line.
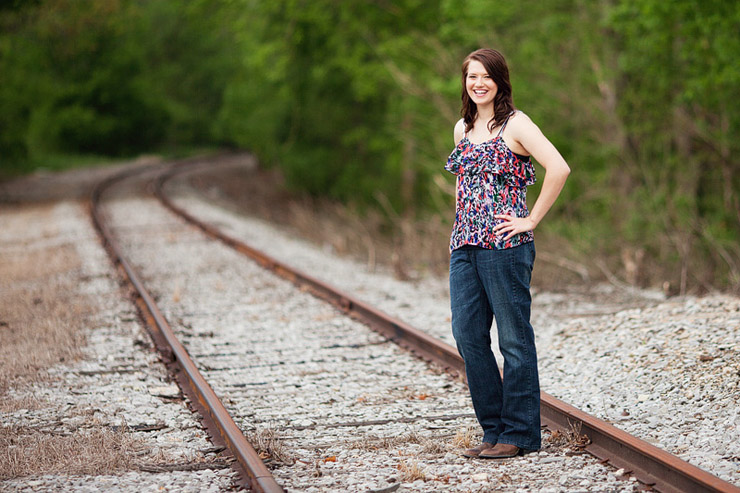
{"type": "Point", "coordinates": [513, 225]}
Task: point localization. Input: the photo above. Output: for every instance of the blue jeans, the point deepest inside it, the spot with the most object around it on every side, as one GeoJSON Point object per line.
{"type": "Point", "coordinates": [485, 284]}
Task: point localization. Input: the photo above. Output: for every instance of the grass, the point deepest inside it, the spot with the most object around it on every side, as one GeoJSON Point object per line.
{"type": "Point", "coordinates": [267, 443]}
{"type": "Point", "coordinates": [570, 440]}
{"type": "Point", "coordinates": [42, 320]}
{"type": "Point", "coordinates": [26, 452]}
{"type": "Point", "coordinates": [411, 471]}
{"type": "Point", "coordinates": [571, 252]}
{"type": "Point", "coordinates": [428, 445]}
{"type": "Point", "coordinates": [377, 237]}
{"type": "Point", "coordinates": [28, 402]}
{"type": "Point", "coordinates": [466, 438]}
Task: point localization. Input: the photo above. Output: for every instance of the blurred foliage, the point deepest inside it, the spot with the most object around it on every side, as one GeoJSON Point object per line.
{"type": "Point", "coordinates": [356, 101]}
{"type": "Point", "coordinates": [110, 77]}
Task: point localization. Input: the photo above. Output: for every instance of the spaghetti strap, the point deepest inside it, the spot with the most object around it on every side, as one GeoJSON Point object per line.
{"type": "Point", "coordinates": [501, 130]}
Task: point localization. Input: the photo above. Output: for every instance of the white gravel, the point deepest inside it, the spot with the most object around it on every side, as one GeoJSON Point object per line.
{"type": "Point", "coordinates": [669, 374]}
{"type": "Point", "coordinates": [665, 370]}
{"type": "Point", "coordinates": [118, 382]}
{"type": "Point", "coordinates": [351, 411]}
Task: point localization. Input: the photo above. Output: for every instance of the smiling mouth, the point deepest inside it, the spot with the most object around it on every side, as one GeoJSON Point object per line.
{"type": "Point", "coordinates": [480, 93]}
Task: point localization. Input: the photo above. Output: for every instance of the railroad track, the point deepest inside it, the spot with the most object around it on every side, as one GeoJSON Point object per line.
{"type": "Point", "coordinates": [645, 462]}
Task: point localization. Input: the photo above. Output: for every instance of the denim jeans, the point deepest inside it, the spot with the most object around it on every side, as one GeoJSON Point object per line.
{"type": "Point", "coordinates": [484, 284]}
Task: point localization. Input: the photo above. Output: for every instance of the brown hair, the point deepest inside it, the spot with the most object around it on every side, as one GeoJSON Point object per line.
{"type": "Point", "coordinates": [503, 103]}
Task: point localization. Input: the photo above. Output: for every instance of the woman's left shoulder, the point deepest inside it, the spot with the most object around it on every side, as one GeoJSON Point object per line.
{"type": "Point", "coordinates": [520, 118]}
{"type": "Point", "coordinates": [521, 124]}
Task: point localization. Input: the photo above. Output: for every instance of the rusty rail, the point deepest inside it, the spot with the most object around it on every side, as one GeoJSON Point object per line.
{"type": "Point", "coordinates": [652, 466]}
{"type": "Point", "coordinates": [215, 416]}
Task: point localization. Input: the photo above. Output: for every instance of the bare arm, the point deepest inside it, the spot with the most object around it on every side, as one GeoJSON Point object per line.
{"type": "Point", "coordinates": [459, 132]}
{"type": "Point", "coordinates": [528, 135]}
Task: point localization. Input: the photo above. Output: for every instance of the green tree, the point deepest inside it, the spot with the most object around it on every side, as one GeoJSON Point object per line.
{"type": "Point", "coordinates": [356, 101]}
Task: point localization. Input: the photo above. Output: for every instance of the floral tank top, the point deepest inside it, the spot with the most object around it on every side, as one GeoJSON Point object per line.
{"type": "Point", "coordinates": [491, 179]}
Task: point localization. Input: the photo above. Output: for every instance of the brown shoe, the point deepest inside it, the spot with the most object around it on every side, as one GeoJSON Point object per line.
{"type": "Point", "coordinates": [475, 451]}
{"type": "Point", "coordinates": [501, 451]}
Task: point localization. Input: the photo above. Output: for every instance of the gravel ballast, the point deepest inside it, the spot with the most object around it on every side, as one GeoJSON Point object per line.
{"type": "Point", "coordinates": [118, 385]}
{"type": "Point", "coordinates": [665, 370]}
{"type": "Point", "coordinates": [345, 409]}
{"type": "Point", "coordinates": [340, 407]}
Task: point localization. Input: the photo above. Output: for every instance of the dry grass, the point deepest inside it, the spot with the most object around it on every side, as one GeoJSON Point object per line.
{"type": "Point", "coordinates": [29, 402]}
{"type": "Point", "coordinates": [378, 236]}
{"type": "Point", "coordinates": [411, 471]}
{"type": "Point", "coordinates": [31, 264]}
{"type": "Point", "coordinates": [575, 440]}
{"type": "Point", "coordinates": [428, 445]}
{"type": "Point", "coordinates": [42, 323]}
{"type": "Point", "coordinates": [554, 441]}
{"type": "Point", "coordinates": [375, 237]}
{"type": "Point", "coordinates": [466, 437]}
{"type": "Point", "coordinates": [268, 445]}
{"type": "Point", "coordinates": [25, 452]}
{"type": "Point", "coordinates": [42, 319]}
{"type": "Point", "coordinates": [570, 440]}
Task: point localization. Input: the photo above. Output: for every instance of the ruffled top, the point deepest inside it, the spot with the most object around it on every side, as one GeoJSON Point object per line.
{"type": "Point", "coordinates": [491, 156]}
{"type": "Point", "coordinates": [491, 180]}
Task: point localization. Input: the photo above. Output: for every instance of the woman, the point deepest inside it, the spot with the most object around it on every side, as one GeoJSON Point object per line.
{"type": "Point", "coordinates": [492, 253]}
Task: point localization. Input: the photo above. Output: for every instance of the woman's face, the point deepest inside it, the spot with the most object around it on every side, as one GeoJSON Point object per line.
{"type": "Point", "coordinates": [479, 84]}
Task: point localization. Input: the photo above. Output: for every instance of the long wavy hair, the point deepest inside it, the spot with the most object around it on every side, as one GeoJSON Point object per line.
{"type": "Point", "coordinates": [503, 103]}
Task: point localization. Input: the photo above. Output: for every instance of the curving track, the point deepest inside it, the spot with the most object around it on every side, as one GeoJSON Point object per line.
{"type": "Point", "coordinates": [261, 366]}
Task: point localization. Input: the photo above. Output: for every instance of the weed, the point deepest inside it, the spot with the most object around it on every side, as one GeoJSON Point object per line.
{"type": "Point", "coordinates": [428, 445]}
{"type": "Point", "coordinates": [576, 440]}
{"type": "Point", "coordinates": [465, 437]}
{"type": "Point", "coordinates": [42, 315]}
{"type": "Point", "coordinates": [25, 452]}
{"type": "Point", "coordinates": [411, 471]}
{"type": "Point", "coordinates": [268, 445]}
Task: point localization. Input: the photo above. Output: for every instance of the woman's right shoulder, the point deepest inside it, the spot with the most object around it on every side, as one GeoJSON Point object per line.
{"type": "Point", "coordinates": [459, 131]}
